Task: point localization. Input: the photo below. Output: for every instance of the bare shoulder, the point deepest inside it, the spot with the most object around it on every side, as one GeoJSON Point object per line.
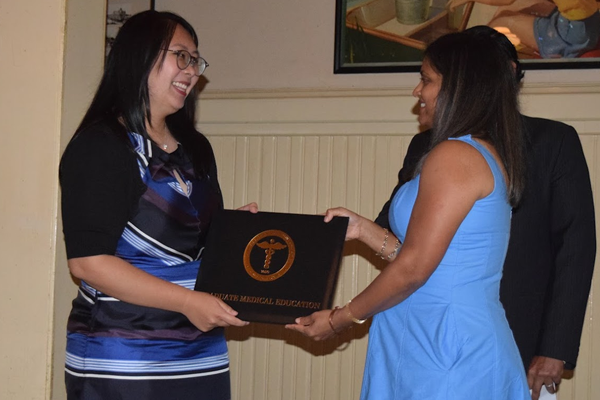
{"type": "Point", "coordinates": [454, 154]}
{"type": "Point", "coordinates": [456, 163]}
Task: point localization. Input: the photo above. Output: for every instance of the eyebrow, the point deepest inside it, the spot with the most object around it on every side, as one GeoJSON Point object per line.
{"type": "Point", "coordinates": [195, 52]}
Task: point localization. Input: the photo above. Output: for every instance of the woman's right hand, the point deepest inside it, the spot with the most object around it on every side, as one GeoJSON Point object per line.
{"type": "Point", "coordinates": [252, 207]}
{"type": "Point", "coordinates": [207, 312]}
{"type": "Point", "coordinates": [354, 223]}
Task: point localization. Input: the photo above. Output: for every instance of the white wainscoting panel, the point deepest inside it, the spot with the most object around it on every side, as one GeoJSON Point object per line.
{"type": "Point", "coordinates": [303, 152]}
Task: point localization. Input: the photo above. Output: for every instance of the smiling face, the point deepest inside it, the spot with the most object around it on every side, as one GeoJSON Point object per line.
{"type": "Point", "coordinates": [168, 86]}
{"type": "Point", "coordinates": [427, 92]}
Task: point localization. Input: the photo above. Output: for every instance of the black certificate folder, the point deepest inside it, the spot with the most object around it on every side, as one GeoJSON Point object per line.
{"type": "Point", "coordinates": [272, 267]}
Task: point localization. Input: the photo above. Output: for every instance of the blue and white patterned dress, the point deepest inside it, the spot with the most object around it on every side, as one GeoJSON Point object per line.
{"type": "Point", "coordinates": [117, 350]}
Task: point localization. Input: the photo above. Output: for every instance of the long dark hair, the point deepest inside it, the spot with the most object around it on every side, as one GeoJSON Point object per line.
{"type": "Point", "coordinates": [479, 96]}
{"type": "Point", "coordinates": [122, 98]}
{"type": "Point", "coordinates": [504, 45]}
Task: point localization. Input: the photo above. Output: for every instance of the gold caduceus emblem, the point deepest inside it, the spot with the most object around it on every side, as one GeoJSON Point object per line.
{"type": "Point", "coordinates": [270, 241]}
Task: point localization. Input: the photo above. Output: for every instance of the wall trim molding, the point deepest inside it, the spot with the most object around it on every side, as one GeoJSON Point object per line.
{"type": "Point", "coordinates": [533, 88]}
{"type": "Point", "coordinates": [381, 112]}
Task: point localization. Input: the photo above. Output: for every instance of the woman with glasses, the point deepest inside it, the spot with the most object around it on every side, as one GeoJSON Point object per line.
{"type": "Point", "coordinates": [139, 187]}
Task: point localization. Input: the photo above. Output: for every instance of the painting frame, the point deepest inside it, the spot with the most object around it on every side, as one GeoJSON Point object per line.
{"type": "Point", "coordinates": [353, 44]}
{"type": "Point", "coordinates": [117, 12]}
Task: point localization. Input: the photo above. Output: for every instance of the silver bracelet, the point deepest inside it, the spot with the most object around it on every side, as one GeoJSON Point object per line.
{"type": "Point", "coordinates": [396, 249]}
{"type": "Point", "coordinates": [385, 238]}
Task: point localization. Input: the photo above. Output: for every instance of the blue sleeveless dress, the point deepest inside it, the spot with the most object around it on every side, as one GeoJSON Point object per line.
{"type": "Point", "coordinates": [118, 350]}
{"type": "Point", "coordinates": [450, 339]}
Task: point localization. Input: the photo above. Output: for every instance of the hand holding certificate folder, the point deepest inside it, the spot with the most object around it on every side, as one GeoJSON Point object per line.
{"type": "Point", "coordinates": [272, 267]}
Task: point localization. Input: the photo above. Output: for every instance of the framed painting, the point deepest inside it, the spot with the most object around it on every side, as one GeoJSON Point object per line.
{"type": "Point", "coordinates": [391, 35]}
{"type": "Point", "coordinates": [117, 12]}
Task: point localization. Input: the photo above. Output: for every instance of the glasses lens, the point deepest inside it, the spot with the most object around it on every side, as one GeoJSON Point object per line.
{"type": "Point", "coordinates": [183, 59]}
{"type": "Point", "coordinates": [201, 65]}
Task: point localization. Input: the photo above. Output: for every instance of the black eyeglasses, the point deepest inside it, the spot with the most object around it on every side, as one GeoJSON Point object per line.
{"type": "Point", "coordinates": [184, 59]}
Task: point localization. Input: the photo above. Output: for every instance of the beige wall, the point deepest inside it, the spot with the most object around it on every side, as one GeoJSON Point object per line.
{"type": "Point", "coordinates": [266, 44]}
{"type": "Point", "coordinates": [31, 49]}
{"type": "Point", "coordinates": [83, 63]}
{"type": "Point", "coordinates": [303, 139]}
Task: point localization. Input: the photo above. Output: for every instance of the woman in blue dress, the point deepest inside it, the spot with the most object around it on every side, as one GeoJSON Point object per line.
{"type": "Point", "coordinates": [139, 189]}
{"type": "Point", "coordinates": [439, 330]}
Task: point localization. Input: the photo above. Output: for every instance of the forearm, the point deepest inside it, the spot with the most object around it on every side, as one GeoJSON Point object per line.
{"type": "Point", "coordinates": [121, 280]}
{"type": "Point", "coordinates": [381, 240]}
{"type": "Point", "coordinates": [394, 285]}
{"type": "Point", "coordinates": [387, 290]}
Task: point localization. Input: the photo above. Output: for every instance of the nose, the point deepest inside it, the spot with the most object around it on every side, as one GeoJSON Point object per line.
{"type": "Point", "coordinates": [191, 69]}
{"type": "Point", "coordinates": [417, 90]}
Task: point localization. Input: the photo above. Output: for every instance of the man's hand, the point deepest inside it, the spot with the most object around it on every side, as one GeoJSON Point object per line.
{"type": "Point", "coordinates": [544, 371]}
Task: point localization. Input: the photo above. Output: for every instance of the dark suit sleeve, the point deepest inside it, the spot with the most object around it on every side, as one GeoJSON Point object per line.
{"type": "Point", "coordinates": [574, 245]}
{"type": "Point", "coordinates": [416, 149]}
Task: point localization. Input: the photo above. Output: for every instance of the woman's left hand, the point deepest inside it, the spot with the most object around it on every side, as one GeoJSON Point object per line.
{"type": "Point", "coordinates": [252, 207]}
{"type": "Point", "coordinates": [355, 221]}
{"type": "Point", "coordinates": [315, 326]}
